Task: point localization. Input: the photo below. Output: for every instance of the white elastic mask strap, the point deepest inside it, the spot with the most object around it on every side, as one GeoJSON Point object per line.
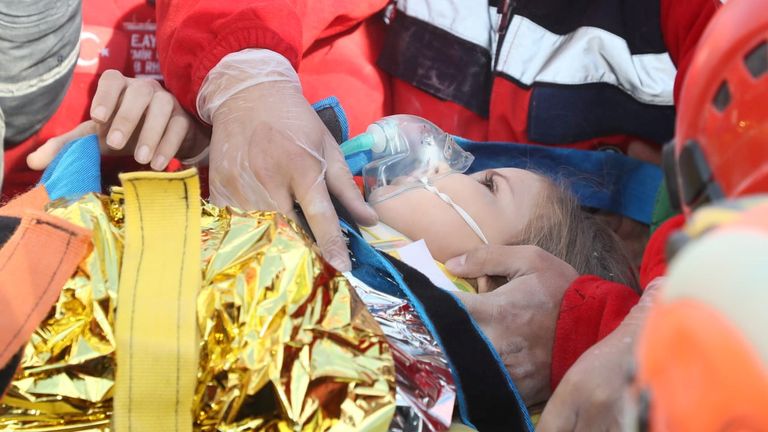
{"type": "Point", "coordinates": [464, 215]}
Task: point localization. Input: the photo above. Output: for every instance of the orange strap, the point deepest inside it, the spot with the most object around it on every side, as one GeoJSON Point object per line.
{"type": "Point", "coordinates": [34, 264]}
{"type": "Point", "coordinates": [35, 199]}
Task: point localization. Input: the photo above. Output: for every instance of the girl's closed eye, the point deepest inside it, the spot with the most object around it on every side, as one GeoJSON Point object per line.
{"type": "Point", "coordinates": [489, 181]}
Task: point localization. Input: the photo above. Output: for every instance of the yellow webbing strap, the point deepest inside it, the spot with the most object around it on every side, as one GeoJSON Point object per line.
{"type": "Point", "coordinates": [155, 324]}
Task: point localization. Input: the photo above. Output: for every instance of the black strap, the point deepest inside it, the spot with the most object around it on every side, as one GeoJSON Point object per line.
{"type": "Point", "coordinates": [331, 121]}
{"type": "Point", "coordinates": [8, 226]}
{"type": "Point", "coordinates": [9, 370]}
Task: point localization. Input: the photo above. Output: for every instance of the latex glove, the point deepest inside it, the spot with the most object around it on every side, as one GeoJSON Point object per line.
{"type": "Point", "coordinates": [520, 316]}
{"type": "Point", "coordinates": [269, 148]}
{"type": "Point", "coordinates": [593, 393]}
{"type": "Point", "coordinates": [133, 115]}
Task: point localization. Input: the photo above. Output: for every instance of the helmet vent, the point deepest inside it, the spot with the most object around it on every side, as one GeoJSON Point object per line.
{"type": "Point", "coordinates": [722, 97]}
{"type": "Point", "coordinates": [757, 60]}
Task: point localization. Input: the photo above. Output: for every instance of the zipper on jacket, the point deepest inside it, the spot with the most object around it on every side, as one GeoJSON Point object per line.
{"type": "Point", "coordinates": [504, 10]}
{"type": "Point", "coordinates": [389, 12]}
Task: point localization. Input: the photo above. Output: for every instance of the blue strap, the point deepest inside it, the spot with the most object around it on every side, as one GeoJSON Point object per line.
{"type": "Point", "coordinates": [75, 171]}
{"type": "Point", "coordinates": [357, 161]}
{"type": "Point", "coordinates": [334, 104]}
{"type": "Point", "coordinates": [604, 180]}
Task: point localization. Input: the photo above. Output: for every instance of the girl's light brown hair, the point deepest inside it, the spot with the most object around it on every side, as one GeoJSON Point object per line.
{"type": "Point", "coordinates": [561, 227]}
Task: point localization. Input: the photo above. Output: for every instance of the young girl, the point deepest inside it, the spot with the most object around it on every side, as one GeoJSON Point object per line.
{"type": "Point", "coordinates": [509, 206]}
{"type": "Point", "coordinates": [414, 179]}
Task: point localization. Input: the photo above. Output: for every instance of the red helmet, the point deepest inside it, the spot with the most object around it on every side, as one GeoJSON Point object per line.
{"type": "Point", "coordinates": [702, 356]}
{"type": "Point", "coordinates": [721, 137]}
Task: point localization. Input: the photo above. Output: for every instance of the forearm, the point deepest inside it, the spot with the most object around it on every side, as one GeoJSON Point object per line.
{"type": "Point", "coordinates": [591, 309]}
{"type": "Point", "coordinates": [194, 37]}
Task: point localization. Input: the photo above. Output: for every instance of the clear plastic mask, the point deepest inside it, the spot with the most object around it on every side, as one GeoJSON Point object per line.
{"type": "Point", "coordinates": [406, 151]}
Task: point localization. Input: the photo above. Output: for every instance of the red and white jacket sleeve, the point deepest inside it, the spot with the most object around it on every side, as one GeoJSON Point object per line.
{"type": "Point", "coordinates": [591, 307]}
{"type": "Point", "coordinates": [192, 37]}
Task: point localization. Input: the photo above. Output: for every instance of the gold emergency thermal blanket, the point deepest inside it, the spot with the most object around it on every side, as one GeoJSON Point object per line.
{"type": "Point", "coordinates": [282, 341]}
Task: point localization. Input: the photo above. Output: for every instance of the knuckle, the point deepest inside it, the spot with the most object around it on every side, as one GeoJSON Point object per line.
{"type": "Point", "coordinates": [332, 241]}
{"type": "Point", "coordinates": [182, 122]}
{"type": "Point", "coordinates": [601, 398]}
{"type": "Point", "coordinates": [140, 87]}
{"type": "Point", "coordinates": [155, 84]}
{"type": "Point", "coordinates": [481, 256]}
{"type": "Point", "coordinates": [121, 122]}
{"type": "Point", "coordinates": [163, 100]}
{"type": "Point", "coordinates": [339, 168]}
{"type": "Point", "coordinates": [227, 176]}
{"type": "Point", "coordinates": [111, 76]}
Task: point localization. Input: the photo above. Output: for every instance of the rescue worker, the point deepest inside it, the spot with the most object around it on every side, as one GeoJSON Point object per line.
{"type": "Point", "coordinates": [715, 294]}
{"type": "Point", "coordinates": [52, 71]}
{"type": "Point", "coordinates": [716, 168]}
{"type": "Point", "coordinates": [549, 73]}
{"type": "Point", "coordinates": [38, 62]}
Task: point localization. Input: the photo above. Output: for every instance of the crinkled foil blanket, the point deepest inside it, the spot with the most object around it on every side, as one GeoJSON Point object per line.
{"type": "Point", "coordinates": [425, 389]}
{"type": "Point", "coordinates": [284, 346]}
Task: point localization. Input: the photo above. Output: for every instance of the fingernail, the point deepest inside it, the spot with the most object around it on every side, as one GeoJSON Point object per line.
{"type": "Point", "coordinates": [159, 162]}
{"type": "Point", "coordinates": [142, 154]}
{"type": "Point", "coordinates": [100, 113]}
{"type": "Point", "coordinates": [115, 139]}
{"type": "Point", "coordinates": [456, 264]}
{"type": "Point", "coordinates": [31, 160]}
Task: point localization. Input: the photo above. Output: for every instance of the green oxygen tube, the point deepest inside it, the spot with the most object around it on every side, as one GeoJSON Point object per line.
{"type": "Point", "coordinates": [362, 142]}
{"type": "Point", "coordinates": [399, 145]}
{"type": "Point", "coordinates": [376, 138]}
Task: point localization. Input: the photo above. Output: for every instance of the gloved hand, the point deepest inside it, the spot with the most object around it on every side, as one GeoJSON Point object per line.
{"type": "Point", "coordinates": [270, 148]}
{"type": "Point", "coordinates": [133, 115]}
{"type": "Point", "coordinates": [518, 317]}
{"type": "Point", "coordinates": [592, 395]}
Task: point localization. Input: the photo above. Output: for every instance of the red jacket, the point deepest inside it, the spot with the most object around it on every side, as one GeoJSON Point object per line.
{"type": "Point", "coordinates": [118, 34]}
{"type": "Point", "coordinates": [592, 308]}
{"type": "Point", "coordinates": [611, 81]}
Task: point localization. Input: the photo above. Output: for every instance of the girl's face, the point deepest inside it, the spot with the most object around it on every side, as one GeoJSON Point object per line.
{"type": "Point", "coordinates": [500, 201]}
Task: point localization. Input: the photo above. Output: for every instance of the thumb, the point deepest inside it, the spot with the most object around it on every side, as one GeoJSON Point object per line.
{"type": "Point", "coordinates": [42, 157]}
{"type": "Point", "coordinates": [493, 260]}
